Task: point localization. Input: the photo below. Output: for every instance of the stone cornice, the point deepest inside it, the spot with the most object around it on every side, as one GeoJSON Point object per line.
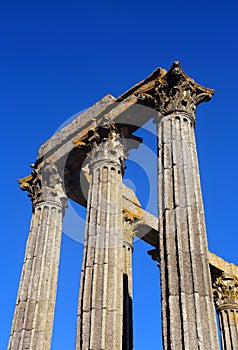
{"type": "Point", "coordinates": [144, 91]}
{"type": "Point", "coordinates": [77, 127]}
{"type": "Point", "coordinates": [161, 91]}
{"type": "Point", "coordinates": [169, 92]}
{"type": "Point", "coordinates": [103, 131]}
{"type": "Point", "coordinates": [222, 266]}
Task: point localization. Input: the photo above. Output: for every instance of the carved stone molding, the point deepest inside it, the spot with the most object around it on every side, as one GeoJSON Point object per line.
{"type": "Point", "coordinates": [178, 92]}
{"type": "Point", "coordinates": [129, 229]}
{"type": "Point", "coordinates": [225, 292]}
{"type": "Point", "coordinates": [172, 91]}
{"type": "Point", "coordinates": [109, 142]}
{"type": "Point", "coordinates": [44, 184]}
{"type": "Point", "coordinates": [110, 149]}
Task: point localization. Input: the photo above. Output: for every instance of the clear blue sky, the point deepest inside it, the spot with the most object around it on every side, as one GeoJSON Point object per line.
{"type": "Point", "coordinates": [58, 58]}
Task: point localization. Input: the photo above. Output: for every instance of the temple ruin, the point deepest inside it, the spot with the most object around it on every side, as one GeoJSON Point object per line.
{"type": "Point", "coordinates": [84, 161]}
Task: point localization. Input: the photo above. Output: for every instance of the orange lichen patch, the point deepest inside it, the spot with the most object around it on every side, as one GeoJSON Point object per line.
{"type": "Point", "coordinates": [25, 182]}
{"type": "Point", "coordinates": [81, 141]}
{"type": "Point", "coordinates": [133, 215]}
{"type": "Point", "coordinates": [25, 179]}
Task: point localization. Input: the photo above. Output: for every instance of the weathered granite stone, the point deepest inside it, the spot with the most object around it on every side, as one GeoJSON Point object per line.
{"type": "Point", "coordinates": [34, 314]}
{"type": "Point", "coordinates": [187, 307]}
{"type": "Point", "coordinates": [179, 237]}
{"type": "Point", "coordinates": [128, 237]}
{"type": "Point", "coordinates": [100, 307]}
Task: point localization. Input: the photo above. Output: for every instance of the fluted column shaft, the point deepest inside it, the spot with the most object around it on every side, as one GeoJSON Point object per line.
{"type": "Point", "coordinates": [228, 320]}
{"type": "Point", "coordinates": [187, 305]}
{"type": "Point", "coordinates": [128, 236]}
{"type": "Point", "coordinates": [100, 308]}
{"type": "Point", "coordinates": [226, 300]}
{"type": "Point", "coordinates": [34, 313]}
{"type": "Point", "coordinates": [188, 315]}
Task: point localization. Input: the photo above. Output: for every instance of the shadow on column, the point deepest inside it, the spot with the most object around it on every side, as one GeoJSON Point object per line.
{"type": "Point", "coordinates": [127, 336]}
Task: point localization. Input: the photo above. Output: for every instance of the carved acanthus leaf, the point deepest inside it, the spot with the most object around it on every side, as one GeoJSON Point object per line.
{"type": "Point", "coordinates": [147, 100]}
{"type": "Point", "coordinates": [178, 92]}
{"type": "Point", "coordinates": [225, 290]}
{"type": "Point", "coordinates": [108, 142]}
{"type": "Point", "coordinates": [44, 183]}
{"type": "Point", "coordinates": [173, 91]}
{"type": "Point", "coordinates": [110, 149]}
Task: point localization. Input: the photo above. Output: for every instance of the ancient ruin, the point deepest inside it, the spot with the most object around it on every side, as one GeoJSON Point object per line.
{"type": "Point", "coordinates": [84, 161]}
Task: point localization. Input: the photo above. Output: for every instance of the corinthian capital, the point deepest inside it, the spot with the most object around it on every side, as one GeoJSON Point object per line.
{"type": "Point", "coordinates": [169, 92]}
{"type": "Point", "coordinates": [225, 291]}
{"type": "Point", "coordinates": [44, 184]}
{"type": "Point", "coordinates": [178, 92]}
{"type": "Point", "coordinates": [110, 149]}
{"type": "Point", "coordinates": [108, 142]}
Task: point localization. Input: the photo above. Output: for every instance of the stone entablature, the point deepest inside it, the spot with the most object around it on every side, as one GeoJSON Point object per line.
{"type": "Point", "coordinates": [222, 266]}
{"type": "Point", "coordinates": [93, 148]}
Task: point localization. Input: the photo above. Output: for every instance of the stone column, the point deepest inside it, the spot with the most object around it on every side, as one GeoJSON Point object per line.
{"type": "Point", "coordinates": [225, 291]}
{"type": "Point", "coordinates": [34, 313]}
{"type": "Point", "coordinates": [128, 236]}
{"type": "Point", "coordinates": [188, 315]}
{"type": "Point", "coordinates": [100, 308]}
